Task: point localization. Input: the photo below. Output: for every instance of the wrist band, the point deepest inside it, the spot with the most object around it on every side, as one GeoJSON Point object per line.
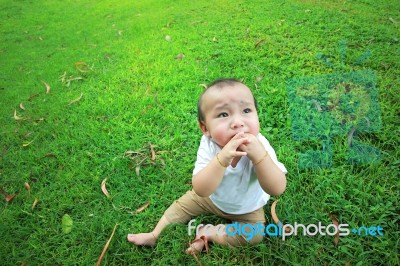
{"type": "Point", "coordinates": [220, 162]}
{"type": "Point", "coordinates": [262, 159]}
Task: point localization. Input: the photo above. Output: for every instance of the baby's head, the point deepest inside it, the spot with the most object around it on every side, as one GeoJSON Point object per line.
{"type": "Point", "coordinates": [226, 108]}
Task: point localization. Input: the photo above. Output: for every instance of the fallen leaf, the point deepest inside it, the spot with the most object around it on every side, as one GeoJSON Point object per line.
{"type": "Point", "coordinates": [50, 155]}
{"type": "Point", "coordinates": [274, 216]}
{"type": "Point", "coordinates": [273, 213]}
{"type": "Point", "coordinates": [21, 106]}
{"type": "Point", "coordinates": [143, 207]}
{"type": "Point", "coordinates": [350, 135]}
{"type": "Point", "coordinates": [35, 202]}
{"type": "Point", "coordinates": [82, 67]}
{"type": "Point", "coordinates": [317, 105]}
{"type": "Point", "coordinates": [47, 87]}
{"type": "Point", "coordinates": [27, 187]}
{"type": "Point", "coordinates": [393, 21]}
{"type": "Point", "coordinates": [259, 42]}
{"type": "Point", "coordinates": [203, 85]}
{"type": "Point", "coordinates": [137, 169]}
{"type": "Point", "coordinates": [29, 143]}
{"type": "Point", "coordinates": [66, 224]}
{"type": "Point", "coordinates": [5, 149]}
{"type": "Point", "coordinates": [76, 100]}
{"type": "Point", "coordinates": [368, 122]}
{"type": "Point", "coordinates": [106, 246]}
{"type": "Point", "coordinates": [180, 57]}
{"type": "Point", "coordinates": [9, 198]}
{"type": "Point", "coordinates": [120, 32]}
{"type": "Point", "coordinates": [16, 117]}
{"type": "Point", "coordinates": [258, 79]}
{"type": "Point", "coordinates": [27, 135]}
{"type": "Point", "coordinates": [33, 96]}
{"type": "Point", "coordinates": [153, 153]}
{"type": "Point", "coordinates": [104, 189]}
{"type": "Point", "coordinates": [168, 38]}
{"type": "Point", "coordinates": [336, 223]}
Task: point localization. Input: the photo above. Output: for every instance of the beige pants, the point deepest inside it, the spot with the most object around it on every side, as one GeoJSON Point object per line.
{"type": "Point", "coordinates": [190, 205]}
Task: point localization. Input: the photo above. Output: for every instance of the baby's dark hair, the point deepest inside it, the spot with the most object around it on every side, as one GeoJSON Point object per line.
{"type": "Point", "coordinates": [219, 83]}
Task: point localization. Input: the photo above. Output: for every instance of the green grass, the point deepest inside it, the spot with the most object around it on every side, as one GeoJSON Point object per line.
{"type": "Point", "coordinates": [137, 93]}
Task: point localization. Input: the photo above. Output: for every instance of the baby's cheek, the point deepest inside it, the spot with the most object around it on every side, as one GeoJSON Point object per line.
{"type": "Point", "coordinates": [220, 136]}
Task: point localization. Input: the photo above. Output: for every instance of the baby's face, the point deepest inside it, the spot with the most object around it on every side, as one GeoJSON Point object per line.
{"type": "Point", "coordinates": [228, 111]}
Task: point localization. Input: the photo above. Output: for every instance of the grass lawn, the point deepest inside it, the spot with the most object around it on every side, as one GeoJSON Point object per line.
{"type": "Point", "coordinates": [83, 82]}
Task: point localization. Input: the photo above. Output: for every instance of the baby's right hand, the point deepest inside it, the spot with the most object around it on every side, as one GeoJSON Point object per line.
{"type": "Point", "coordinates": [231, 149]}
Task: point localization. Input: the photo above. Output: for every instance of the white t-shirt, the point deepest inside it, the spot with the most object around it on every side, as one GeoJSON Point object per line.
{"type": "Point", "coordinates": [239, 191]}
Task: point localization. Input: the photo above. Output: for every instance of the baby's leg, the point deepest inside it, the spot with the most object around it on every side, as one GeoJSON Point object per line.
{"type": "Point", "coordinates": [149, 239]}
{"type": "Point", "coordinates": [245, 234]}
{"type": "Point", "coordinates": [180, 211]}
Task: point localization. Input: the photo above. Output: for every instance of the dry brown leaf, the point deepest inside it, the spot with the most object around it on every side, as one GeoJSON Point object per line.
{"type": "Point", "coordinates": [317, 105]}
{"type": "Point", "coordinates": [336, 223]}
{"type": "Point", "coordinates": [350, 135]}
{"type": "Point", "coordinates": [274, 216]}
{"type": "Point", "coordinates": [50, 155]}
{"type": "Point", "coordinates": [273, 213]}
{"type": "Point", "coordinates": [33, 96]}
{"type": "Point", "coordinates": [104, 189]}
{"type": "Point", "coordinates": [27, 187]}
{"type": "Point", "coordinates": [82, 67]}
{"type": "Point", "coordinates": [153, 153]}
{"type": "Point", "coordinates": [16, 117]}
{"type": "Point", "coordinates": [7, 196]}
{"type": "Point", "coordinates": [179, 56]}
{"type": "Point", "coordinates": [106, 246]}
{"type": "Point", "coordinates": [27, 144]}
{"type": "Point", "coordinates": [259, 42]}
{"type": "Point", "coordinates": [47, 87]}
{"type": "Point", "coordinates": [27, 135]}
{"type": "Point", "coordinates": [137, 169]}
{"type": "Point", "coordinates": [76, 100]}
{"type": "Point", "coordinates": [258, 79]}
{"type": "Point", "coordinates": [35, 202]}
{"type": "Point", "coordinates": [393, 21]}
{"type": "Point", "coordinates": [21, 106]}
{"type": "Point", "coordinates": [143, 207]}
{"type": "Point", "coordinates": [10, 197]}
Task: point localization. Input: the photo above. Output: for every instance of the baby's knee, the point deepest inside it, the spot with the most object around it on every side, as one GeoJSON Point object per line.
{"type": "Point", "coordinates": [256, 239]}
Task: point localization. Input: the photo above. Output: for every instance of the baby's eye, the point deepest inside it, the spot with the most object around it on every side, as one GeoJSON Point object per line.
{"type": "Point", "coordinates": [223, 114]}
{"type": "Point", "coordinates": [247, 110]}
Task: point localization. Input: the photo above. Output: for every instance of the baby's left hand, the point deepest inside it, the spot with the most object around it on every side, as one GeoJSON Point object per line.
{"type": "Point", "coordinates": [253, 147]}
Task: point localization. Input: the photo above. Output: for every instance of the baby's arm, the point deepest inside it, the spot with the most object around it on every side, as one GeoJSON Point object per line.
{"type": "Point", "coordinates": [270, 177]}
{"type": "Point", "coordinates": [206, 181]}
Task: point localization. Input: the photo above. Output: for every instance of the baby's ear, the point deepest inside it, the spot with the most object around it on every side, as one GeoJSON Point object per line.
{"type": "Point", "coordinates": [204, 129]}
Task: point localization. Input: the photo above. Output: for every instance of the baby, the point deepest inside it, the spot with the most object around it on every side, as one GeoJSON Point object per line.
{"type": "Point", "coordinates": [235, 172]}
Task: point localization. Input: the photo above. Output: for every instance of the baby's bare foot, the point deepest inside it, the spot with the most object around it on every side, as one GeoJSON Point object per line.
{"type": "Point", "coordinates": [143, 239]}
{"type": "Point", "coordinates": [197, 246]}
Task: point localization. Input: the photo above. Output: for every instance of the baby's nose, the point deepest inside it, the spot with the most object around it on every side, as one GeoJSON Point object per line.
{"type": "Point", "coordinates": [236, 123]}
